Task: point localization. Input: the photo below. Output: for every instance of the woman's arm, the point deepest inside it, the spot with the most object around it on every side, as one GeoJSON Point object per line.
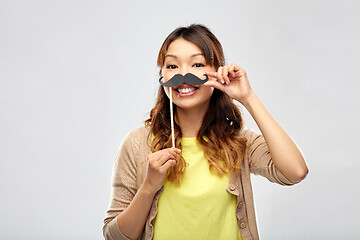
{"type": "Point", "coordinates": [285, 154]}
{"type": "Point", "coordinates": [132, 220]}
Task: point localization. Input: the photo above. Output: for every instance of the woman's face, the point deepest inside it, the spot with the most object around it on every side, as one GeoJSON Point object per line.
{"type": "Point", "coordinates": [184, 57]}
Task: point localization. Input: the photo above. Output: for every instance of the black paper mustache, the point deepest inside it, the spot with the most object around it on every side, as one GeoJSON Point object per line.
{"type": "Point", "coordinates": [179, 79]}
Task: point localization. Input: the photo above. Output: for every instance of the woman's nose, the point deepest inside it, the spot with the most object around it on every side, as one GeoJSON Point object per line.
{"type": "Point", "coordinates": [184, 70]}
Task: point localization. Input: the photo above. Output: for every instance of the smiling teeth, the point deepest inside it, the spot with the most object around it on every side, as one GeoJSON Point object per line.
{"type": "Point", "coordinates": [186, 90]}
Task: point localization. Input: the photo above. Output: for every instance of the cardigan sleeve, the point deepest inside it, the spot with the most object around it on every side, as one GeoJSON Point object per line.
{"type": "Point", "coordinates": [123, 183]}
{"type": "Point", "coordinates": [260, 160]}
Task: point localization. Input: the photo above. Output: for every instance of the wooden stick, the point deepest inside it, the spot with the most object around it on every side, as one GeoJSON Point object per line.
{"type": "Point", "coordinates": [172, 119]}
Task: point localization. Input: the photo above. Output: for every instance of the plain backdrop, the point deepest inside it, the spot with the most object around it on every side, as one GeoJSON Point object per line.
{"type": "Point", "coordinates": [77, 76]}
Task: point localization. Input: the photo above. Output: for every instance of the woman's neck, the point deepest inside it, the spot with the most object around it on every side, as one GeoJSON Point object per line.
{"type": "Point", "coordinates": [190, 120]}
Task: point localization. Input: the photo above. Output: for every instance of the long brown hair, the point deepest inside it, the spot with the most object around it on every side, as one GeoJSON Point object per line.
{"type": "Point", "coordinates": [219, 133]}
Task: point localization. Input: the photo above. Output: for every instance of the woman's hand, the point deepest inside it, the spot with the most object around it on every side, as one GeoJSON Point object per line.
{"type": "Point", "coordinates": [158, 164]}
{"type": "Point", "coordinates": [132, 220]}
{"type": "Point", "coordinates": [233, 81]}
{"type": "Point", "coordinates": [285, 154]}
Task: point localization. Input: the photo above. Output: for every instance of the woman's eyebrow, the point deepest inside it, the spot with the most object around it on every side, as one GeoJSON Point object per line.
{"type": "Point", "coordinates": [170, 55]}
{"type": "Point", "coordinates": [174, 56]}
{"type": "Point", "coordinates": [197, 54]}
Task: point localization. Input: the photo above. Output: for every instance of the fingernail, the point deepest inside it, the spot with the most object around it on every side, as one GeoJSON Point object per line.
{"type": "Point", "coordinates": [178, 150]}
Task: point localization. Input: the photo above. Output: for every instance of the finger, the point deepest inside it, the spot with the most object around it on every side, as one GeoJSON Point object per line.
{"type": "Point", "coordinates": [164, 155]}
{"type": "Point", "coordinates": [219, 75]}
{"type": "Point", "coordinates": [225, 74]}
{"type": "Point", "coordinates": [231, 70]}
{"type": "Point", "coordinates": [172, 151]}
{"type": "Point", "coordinates": [211, 74]}
{"type": "Point", "coordinates": [215, 84]}
{"type": "Point", "coordinates": [242, 72]}
{"type": "Point", "coordinates": [168, 165]}
{"type": "Point", "coordinates": [236, 67]}
{"type": "Point", "coordinates": [238, 70]}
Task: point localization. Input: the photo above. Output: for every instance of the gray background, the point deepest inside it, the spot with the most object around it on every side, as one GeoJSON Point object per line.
{"type": "Point", "coordinates": [77, 76]}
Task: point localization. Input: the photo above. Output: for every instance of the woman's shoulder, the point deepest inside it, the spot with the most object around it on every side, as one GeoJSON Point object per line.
{"type": "Point", "coordinates": [137, 136]}
{"type": "Point", "coordinates": [249, 134]}
{"type": "Point", "coordinates": [139, 131]}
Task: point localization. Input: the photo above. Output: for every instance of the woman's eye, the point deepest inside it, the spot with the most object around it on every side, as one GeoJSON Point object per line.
{"type": "Point", "coordinates": [199, 65]}
{"type": "Point", "coordinates": [171, 66]}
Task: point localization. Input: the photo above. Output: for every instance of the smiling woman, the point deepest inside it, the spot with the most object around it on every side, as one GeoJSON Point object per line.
{"type": "Point", "coordinates": [186, 57]}
{"type": "Point", "coordinates": [179, 193]}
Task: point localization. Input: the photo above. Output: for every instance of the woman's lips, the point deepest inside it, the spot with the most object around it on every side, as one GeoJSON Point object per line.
{"type": "Point", "coordinates": [185, 90]}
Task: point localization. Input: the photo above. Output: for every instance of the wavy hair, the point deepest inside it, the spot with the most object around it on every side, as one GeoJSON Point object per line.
{"type": "Point", "coordinates": [219, 133]}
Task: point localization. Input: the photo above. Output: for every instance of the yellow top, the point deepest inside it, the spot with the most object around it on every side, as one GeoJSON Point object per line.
{"type": "Point", "coordinates": [200, 208]}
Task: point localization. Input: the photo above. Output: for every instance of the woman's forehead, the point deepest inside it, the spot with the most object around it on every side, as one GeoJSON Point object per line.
{"type": "Point", "coordinates": [180, 47]}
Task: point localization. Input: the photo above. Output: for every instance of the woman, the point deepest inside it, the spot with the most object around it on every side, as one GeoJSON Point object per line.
{"type": "Point", "coordinates": [201, 188]}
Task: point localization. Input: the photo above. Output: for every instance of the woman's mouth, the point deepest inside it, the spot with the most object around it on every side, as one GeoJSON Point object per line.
{"type": "Point", "coordinates": [186, 91]}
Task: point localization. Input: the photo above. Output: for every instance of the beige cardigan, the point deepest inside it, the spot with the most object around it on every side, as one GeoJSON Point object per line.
{"type": "Point", "coordinates": [129, 172]}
